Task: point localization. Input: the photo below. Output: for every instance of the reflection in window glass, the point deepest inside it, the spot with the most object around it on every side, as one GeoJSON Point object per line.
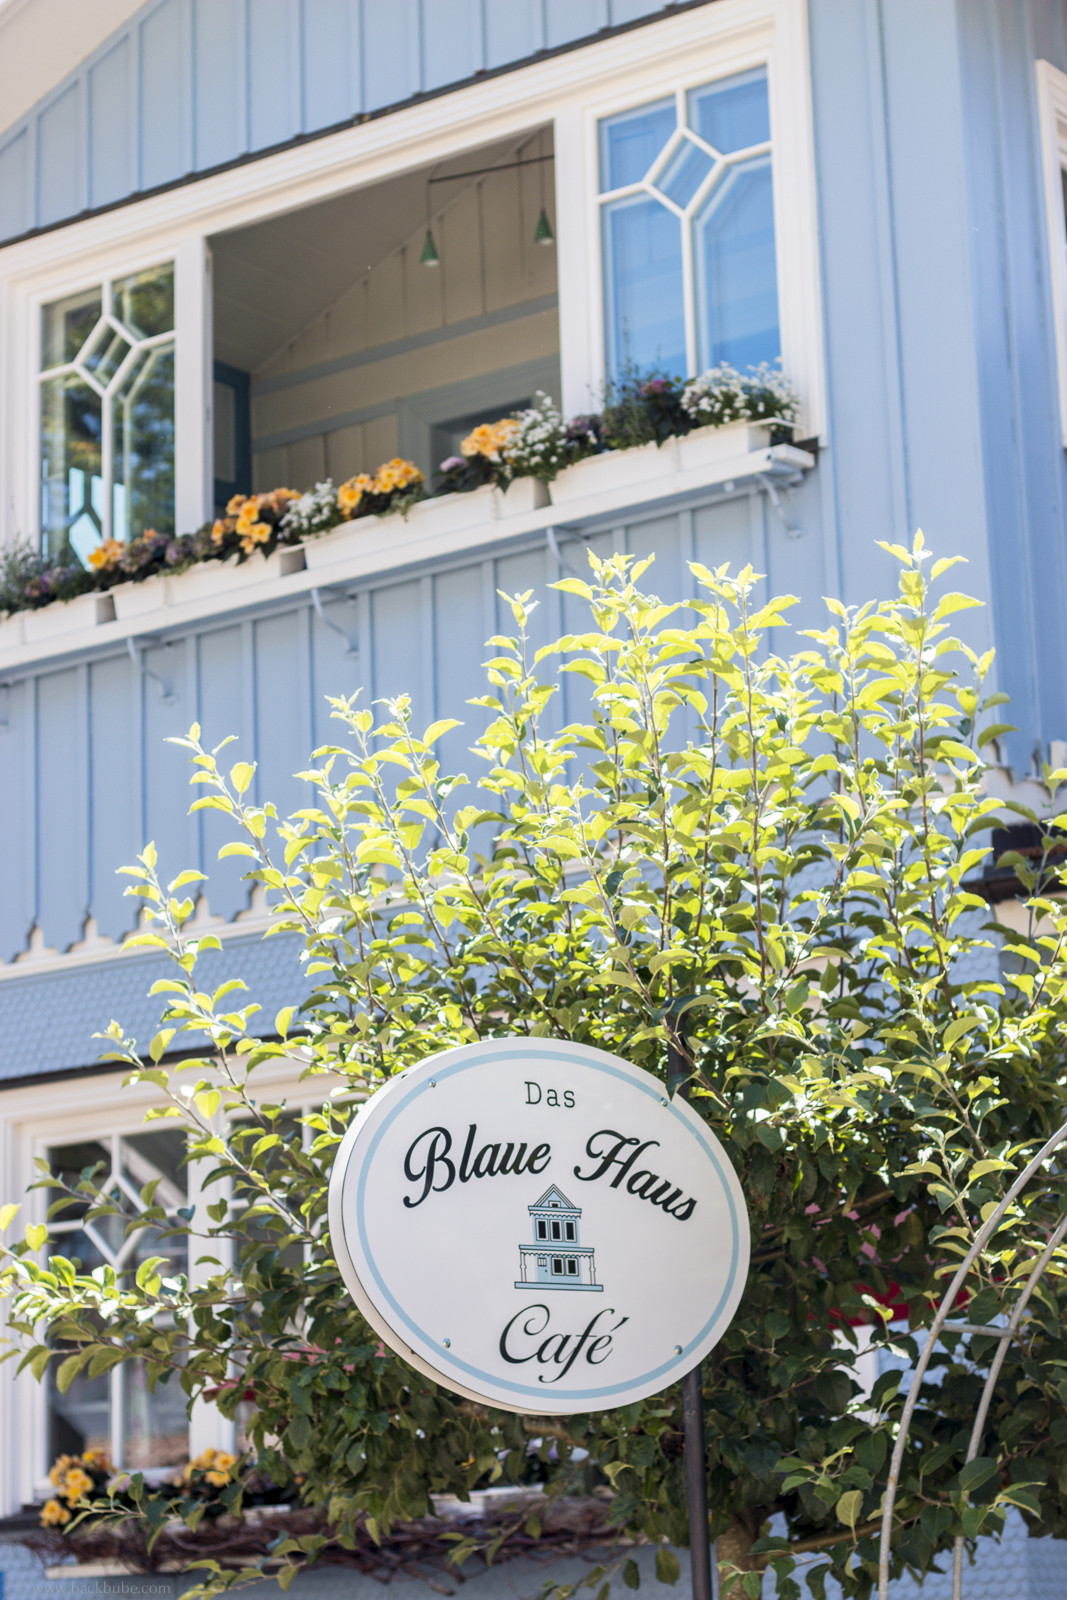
{"type": "Point", "coordinates": [683, 292]}
{"type": "Point", "coordinates": [733, 114]}
{"type": "Point", "coordinates": [107, 414]}
{"type": "Point", "coordinates": [116, 1412]}
{"type": "Point", "coordinates": [737, 286]}
{"type": "Point", "coordinates": [645, 314]}
{"type": "Point", "coordinates": [630, 143]}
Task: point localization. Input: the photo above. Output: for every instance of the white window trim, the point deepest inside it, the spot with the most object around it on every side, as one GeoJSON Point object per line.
{"type": "Point", "coordinates": [29, 1126]}
{"type": "Point", "coordinates": [570, 90]}
{"type": "Point", "coordinates": [1052, 112]}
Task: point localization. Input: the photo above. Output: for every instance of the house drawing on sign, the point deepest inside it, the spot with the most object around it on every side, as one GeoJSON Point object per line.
{"type": "Point", "coordinates": [556, 1260]}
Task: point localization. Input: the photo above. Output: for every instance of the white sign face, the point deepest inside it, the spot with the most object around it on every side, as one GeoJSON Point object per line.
{"type": "Point", "coordinates": [534, 1225]}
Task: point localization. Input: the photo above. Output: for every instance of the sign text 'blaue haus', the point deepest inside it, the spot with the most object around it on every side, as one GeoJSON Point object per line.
{"type": "Point", "coordinates": [535, 1225]}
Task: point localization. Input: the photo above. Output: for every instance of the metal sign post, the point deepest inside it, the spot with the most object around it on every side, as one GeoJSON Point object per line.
{"type": "Point", "coordinates": [696, 1458]}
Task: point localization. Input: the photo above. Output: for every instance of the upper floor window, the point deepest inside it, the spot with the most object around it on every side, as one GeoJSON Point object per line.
{"type": "Point", "coordinates": [687, 231]}
{"type": "Point", "coordinates": [107, 412]}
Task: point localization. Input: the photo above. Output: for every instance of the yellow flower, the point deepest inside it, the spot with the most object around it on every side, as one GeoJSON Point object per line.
{"type": "Point", "coordinates": [53, 1515]}
{"type": "Point", "coordinates": [61, 1468]}
{"type": "Point", "coordinates": [75, 1484]}
{"type": "Point", "coordinates": [248, 514]}
{"type": "Point", "coordinates": [105, 555]}
{"type": "Point", "coordinates": [224, 1460]}
{"type": "Point", "coordinates": [234, 504]}
{"type": "Point", "coordinates": [489, 439]}
{"type": "Point", "coordinates": [257, 533]}
{"type": "Point", "coordinates": [96, 1458]}
{"type": "Point", "coordinates": [351, 493]}
{"type": "Point", "coordinates": [220, 529]}
{"type": "Point", "coordinates": [396, 474]}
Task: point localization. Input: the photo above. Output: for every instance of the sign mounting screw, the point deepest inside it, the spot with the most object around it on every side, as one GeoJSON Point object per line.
{"type": "Point", "coordinates": [447, 1343]}
{"type": "Point", "coordinates": [433, 1083]}
{"type": "Point", "coordinates": [677, 1349]}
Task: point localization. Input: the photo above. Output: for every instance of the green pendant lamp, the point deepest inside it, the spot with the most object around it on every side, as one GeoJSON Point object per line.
{"type": "Point", "coordinates": [429, 257]}
{"type": "Point", "coordinates": [543, 232]}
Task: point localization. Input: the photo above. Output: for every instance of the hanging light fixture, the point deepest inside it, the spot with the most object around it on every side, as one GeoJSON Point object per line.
{"type": "Point", "coordinates": [543, 232]}
{"type": "Point", "coordinates": [429, 257]}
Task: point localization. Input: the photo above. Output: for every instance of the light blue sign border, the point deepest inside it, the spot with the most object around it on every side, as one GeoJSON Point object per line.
{"type": "Point", "coordinates": [446, 1358]}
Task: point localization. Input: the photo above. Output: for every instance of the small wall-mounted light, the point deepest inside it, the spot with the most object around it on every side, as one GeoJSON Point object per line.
{"type": "Point", "coordinates": [429, 257]}
{"type": "Point", "coordinates": [543, 232]}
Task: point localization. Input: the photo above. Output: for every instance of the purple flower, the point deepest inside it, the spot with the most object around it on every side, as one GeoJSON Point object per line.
{"type": "Point", "coordinates": [450, 463]}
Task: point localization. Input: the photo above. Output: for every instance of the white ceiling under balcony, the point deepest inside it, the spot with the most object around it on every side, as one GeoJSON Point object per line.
{"type": "Point", "coordinates": [275, 277]}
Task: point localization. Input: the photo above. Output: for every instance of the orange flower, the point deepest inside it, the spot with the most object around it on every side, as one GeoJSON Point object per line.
{"type": "Point", "coordinates": [351, 493]}
{"type": "Point", "coordinates": [106, 555]}
{"type": "Point", "coordinates": [220, 528]}
{"type": "Point", "coordinates": [53, 1515]}
{"type": "Point", "coordinates": [396, 474]}
{"type": "Point", "coordinates": [490, 439]}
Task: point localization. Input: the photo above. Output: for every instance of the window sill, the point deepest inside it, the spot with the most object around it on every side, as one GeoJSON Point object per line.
{"type": "Point", "coordinates": [600, 490]}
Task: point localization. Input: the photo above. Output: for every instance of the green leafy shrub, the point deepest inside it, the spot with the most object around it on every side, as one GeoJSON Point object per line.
{"type": "Point", "coordinates": [770, 835]}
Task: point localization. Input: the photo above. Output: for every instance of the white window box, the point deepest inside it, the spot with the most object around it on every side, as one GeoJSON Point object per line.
{"type": "Point", "coordinates": [200, 582]}
{"type": "Point", "coordinates": [67, 616]}
{"type": "Point", "coordinates": [443, 514]}
{"type": "Point", "coordinates": [616, 469]}
{"type": "Point", "coordinates": [706, 445]}
{"type": "Point", "coordinates": [134, 600]}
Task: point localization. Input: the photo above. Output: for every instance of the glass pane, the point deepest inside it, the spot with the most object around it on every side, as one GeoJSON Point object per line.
{"type": "Point", "coordinates": [732, 114]}
{"type": "Point", "coordinates": [644, 316]}
{"type": "Point", "coordinates": [631, 142]}
{"type": "Point", "coordinates": [68, 1162]}
{"type": "Point", "coordinates": [66, 324]}
{"type": "Point", "coordinates": [737, 284]}
{"type": "Point", "coordinates": [144, 303]}
{"type": "Point", "coordinates": [105, 353]}
{"type": "Point", "coordinates": [143, 447]}
{"type": "Point", "coordinates": [80, 1419]}
{"type": "Point", "coordinates": [146, 1156]}
{"type": "Point", "coordinates": [156, 1432]}
{"type": "Point", "coordinates": [684, 173]}
{"type": "Point", "coordinates": [224, 417]}
{"type": "Point", "coordinates": [71, 482]}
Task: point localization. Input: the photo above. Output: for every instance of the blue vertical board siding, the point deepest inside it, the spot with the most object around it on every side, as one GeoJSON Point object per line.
{"type": "Point", "coordinates": [283, 709]}
{"type": "Point", "coordinates": [224, 673]}
{"type": "Point", "coordinates": [164, 100]}
{"type": "Point", "coordinates": [274, 72]}
{"type": "Point", "coordinates": [452, 38]}
{"type": "Point", "coordinates": [396, 647]}
{"type": "Point", "coordinates": [18, 834]}
{"type": "Point", "coordinates": [111, 173]}
{"type": "Point", "coordinates": [204, 81]}
{"type": "Point", "coordinates": [459, 650]}
{"type": "Point", "coordinates": [63, 807]}
{"type": "Point", "coordinates": [16, 214]}
{"type": "Point", "coordinates": [219, 101]}
{"type": "Point", "coordinates": [512, 32]}
{"type": "Point", "coordinates": [566, 20]}
{"type": "Point", "coordinates": [332, 73]}
{"type": "Point", "coordinates": [114, 778]}
{"type": "Point", "coordinates": [61, 156]}
{"type": "Point", "coordinates": [392, 52]}
{"type": "Point", "coordinates": [333, 670]}
{"type": "Point", "coordinates": [167, 796]}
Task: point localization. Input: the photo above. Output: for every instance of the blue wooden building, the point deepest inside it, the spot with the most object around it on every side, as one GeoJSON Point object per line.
{"type": "Point", "coordinates": [214, 276]}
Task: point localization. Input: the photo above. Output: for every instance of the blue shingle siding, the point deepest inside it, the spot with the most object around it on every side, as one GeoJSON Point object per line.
{"type": "Point", "coordinates": [48, 1019]}
{"type": "Point", "coordinates": [187, 85]}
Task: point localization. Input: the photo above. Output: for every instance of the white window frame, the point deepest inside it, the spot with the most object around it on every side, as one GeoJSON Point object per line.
{"type": "Point", "coordinates": [94, 1107]}
{"type": "Point", "coordinates": [106, 397]}
{"type": "Point", "coordinates": [571, 90]}
{"type": "Point", "coordinates": [1052, 111]}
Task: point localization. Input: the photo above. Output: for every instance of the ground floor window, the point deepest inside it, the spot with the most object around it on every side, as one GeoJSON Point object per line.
{"type": "Point", "coordinates": [107, 413]}
{"type": "Point", "coordinates": [117, 1412]}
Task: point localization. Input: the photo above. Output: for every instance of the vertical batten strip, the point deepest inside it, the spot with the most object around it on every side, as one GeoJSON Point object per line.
{"type": "Point", "coordinates": [194, 488]}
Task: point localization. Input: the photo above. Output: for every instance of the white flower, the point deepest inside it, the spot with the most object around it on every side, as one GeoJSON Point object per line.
{"type": "Point", "coordinates": [723, 395]}
{"type": "Point", "coordinates": [314, 512]}
{"type": "Point", "coordinates": [538, 447]}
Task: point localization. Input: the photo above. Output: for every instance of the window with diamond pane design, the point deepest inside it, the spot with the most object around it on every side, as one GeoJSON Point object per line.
{"type": "Point", "coordinates": [116, 1412]}
{"type": "Point", "coordinates": [107, 413]}
{"type": "Point", "coordinates": [687, 232]}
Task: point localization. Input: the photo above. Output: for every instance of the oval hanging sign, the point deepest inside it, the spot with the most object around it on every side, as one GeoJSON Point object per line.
{"type": "Point", "coordinates": [534, 1225]}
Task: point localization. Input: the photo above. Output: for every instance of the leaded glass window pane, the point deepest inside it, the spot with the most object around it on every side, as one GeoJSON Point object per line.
{"type": "Point", "coordinates": [107, 413]}
{"type": "Point", "coordinates": [645, 316]}
{"type": "Point", "coordinates": [630, 143]}
{"type": "Point", "coordinates": [689, 260]}
{"type": "Point", "coordinates": [737, 285]}
{"type": "Point", "coordinates": [116, 1412]}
